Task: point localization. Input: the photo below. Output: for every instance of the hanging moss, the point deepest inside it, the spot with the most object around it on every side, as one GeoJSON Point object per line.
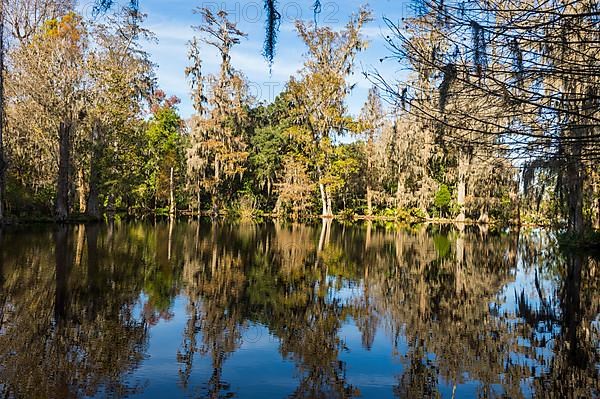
{"type": "Point", "coordinates": [403, 97]}
{"type": "Point", "coordinates": [273, 23]}
{"type": "Point", "coordinates": [272, 30]}
{"type": "Point", "coordinates": [479, 46]}
{"type": "Point", "coordinates": [103, 6]}
{"type": "Point", "coordinates": [450, 74]}
{"type": "Point", "coordinates": [316, 9]}
{"type": "Point", "coordinates": [518, 60]}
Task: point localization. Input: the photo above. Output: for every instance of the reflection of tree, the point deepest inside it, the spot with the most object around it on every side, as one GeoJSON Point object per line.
{"type": "Point", "coordinates": [68, 330]}
{"type": "Point", "coordinates": [441, 298]}
{"type": "Point", "coordinates": [420, 379]}
{"type": "Point", "coordinates": [573, 365]}
{"type": "Point", "coordinates": [214, 280]}
{"type": "Point", "coordinates": [439, 290]}
{"type": "Point", "coordinates": [67, 323]}
{"type": "Point", "coordinates": [269, 275]}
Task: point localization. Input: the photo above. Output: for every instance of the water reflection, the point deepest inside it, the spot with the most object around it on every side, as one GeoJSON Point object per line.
{"type": "Point", "coordinates": [291, 310]}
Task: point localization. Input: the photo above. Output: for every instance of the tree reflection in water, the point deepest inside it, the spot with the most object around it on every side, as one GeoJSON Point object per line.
{"type": "Point", "coordinates": [68, 330]}
{"type": "Point", "coordinates": [504, 313]}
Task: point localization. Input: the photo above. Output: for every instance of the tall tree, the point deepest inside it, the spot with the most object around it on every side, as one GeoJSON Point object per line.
{"type": "Point", "coordinates": [165, 153]}
{"type": "Point", "coordinates": [49, 72]}
{"type": "Point", "coordinates": [372, 118]}
{"type": "Point", "coordinates": [218, 131]}
{"type": "Point", "coordinates": [2, 160]}
{"type": "Point", "coordinates": [121, 80]}
{"type": "Point", "coordinates": [318, 94]}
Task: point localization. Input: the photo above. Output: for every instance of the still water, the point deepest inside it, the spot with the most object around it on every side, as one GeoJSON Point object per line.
{"type": "Point", "coordinates": [223, 310]}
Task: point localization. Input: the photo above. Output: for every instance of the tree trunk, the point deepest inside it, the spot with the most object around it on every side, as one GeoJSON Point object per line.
{"type": "Point", "coordinates": [269, 188]}
{"type": "Point", "coordinates": [329, 207]}
{"type": "Point", "coordinates": [199, 202]}
{"type": "Point", "coordinates": [93, 208]}
{"type": "Point", "coordinates": [370, 174]}
{"type": "Point", "coordinates": [325, 201]}
{"type": "Point", "coordinates": [483, 215]}
{"type": "Point", "coordinates": [400, 190]}
{"type": "Point", "coordinates": [215, 187]}
{"type": "Point", "coordinates": [81, 190]}
{"type": "Point", "coordinates": [597, 219]}
{"type": "Point", "coordinates": [172, 205]}
{"type": "Point", "coordinates": [217, 170]}
{"type": "Point", "coordinates": [575, 195]}
{"type": "Point", "coordinates": [277, 208]}
{"type": "Point", "coordinates": [463, 165]}
{"type": "Point", "coordinates": [323, 198]}
{"type": "Point", "coordinates": [518, 200]}
{"type": "Point", "coordinates": [462, 188]}
{"type": "Point", "coordinates": [575, 178]}
{"type": "Point", "coordinates": [595, 200]}
{"type": "Point", "coordinates": [369, 201]}
{"type": "Point", "coordinates": [62, 192]}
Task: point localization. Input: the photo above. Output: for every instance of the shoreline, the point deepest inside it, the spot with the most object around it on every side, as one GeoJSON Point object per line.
{"type": "Point", "coordinates": [83, 219]}
{"type": "Point", "coordinates": [588, 241]}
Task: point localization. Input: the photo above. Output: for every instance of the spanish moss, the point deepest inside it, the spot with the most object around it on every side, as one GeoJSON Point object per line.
{"type": "Point", "coordinates": [518, 59]}
{"type": "Point", "coordinates": [272, 30]}
{"type": "Point", "coordinates": [317, 8]}
{"type": "Point", "coordinates": [450, 74]}
{"type": "Point", "coordinates": [103, 6]}
{"type": "Point", "coordinates": [479, 46]}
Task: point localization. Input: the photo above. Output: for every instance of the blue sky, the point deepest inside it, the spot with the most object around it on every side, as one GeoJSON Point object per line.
{"type": "Point", "coordinates": [171, 21]}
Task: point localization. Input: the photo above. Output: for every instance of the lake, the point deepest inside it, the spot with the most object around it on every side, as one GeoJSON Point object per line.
{"type": "Point", "coordinates": [275, 310]}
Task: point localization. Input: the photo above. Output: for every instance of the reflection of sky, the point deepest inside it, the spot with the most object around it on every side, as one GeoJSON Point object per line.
{"type": "Point", "coordinates": [256, 369]}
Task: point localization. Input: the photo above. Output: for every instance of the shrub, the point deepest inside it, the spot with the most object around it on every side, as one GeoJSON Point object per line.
{"type": "Point", "coordinates": [442, 200]}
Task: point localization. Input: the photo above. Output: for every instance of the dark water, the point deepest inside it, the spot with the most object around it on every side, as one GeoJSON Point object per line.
{"type": "Point", "coordinates": [274, 311]}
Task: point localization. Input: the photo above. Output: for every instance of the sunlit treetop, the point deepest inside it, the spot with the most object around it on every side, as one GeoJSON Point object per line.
{"type": "Point", "coordinates": [69, 28]}
{"type": "Point", "coordinates": [161, 101]}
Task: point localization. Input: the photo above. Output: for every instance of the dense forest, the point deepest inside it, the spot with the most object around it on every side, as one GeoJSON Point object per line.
{"type": "Point", "coordinates": [497, 120]}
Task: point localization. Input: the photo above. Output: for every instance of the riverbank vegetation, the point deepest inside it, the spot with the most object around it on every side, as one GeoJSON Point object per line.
{"type": "Point", "coordinates": [495, 119]}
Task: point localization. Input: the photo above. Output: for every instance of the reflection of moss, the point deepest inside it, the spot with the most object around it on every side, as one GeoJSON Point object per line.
{"type": "Point", "coordinates": [338, 263]}
{"type": "Point", "coordinates": [159, 291]}
{"type": "Point", "coordinates": [442, 245]}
